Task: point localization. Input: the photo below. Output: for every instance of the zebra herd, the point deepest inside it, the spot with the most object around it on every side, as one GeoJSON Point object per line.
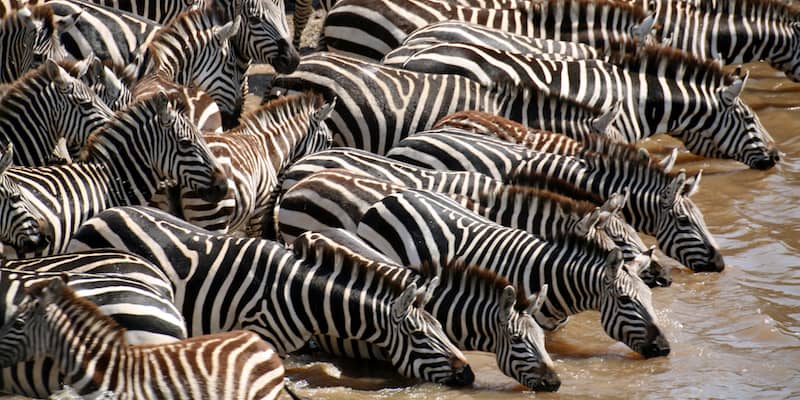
{"type": "Point", "coordinates": [159, 240]}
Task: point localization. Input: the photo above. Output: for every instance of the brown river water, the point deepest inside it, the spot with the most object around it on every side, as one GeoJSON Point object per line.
{"type": "Point", "coordinates": [734, 335]}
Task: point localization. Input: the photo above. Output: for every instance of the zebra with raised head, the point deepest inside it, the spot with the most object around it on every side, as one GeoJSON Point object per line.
{"type": "Point", "coordinates": [700, 104]}
{"type": "Point", "coordinates": [731, 31]}
{"type": "Point", "coordinates": [378, 106]}
{"type": "Point", "coordinates": [253, 155]}
{"type": "Point", "coordinates": [659, 203]}
{"type": "Point", "coordinates": [415, 227]}
{"type": "Point", "coordinates": [22, 227]}
{"type": "Point", "coordinates": [90, 349]}
{"type": "Point", "coordinates": [124, 162]}
{"type": "Point", "coordinates": [465, 32]}
{"type": "Point", "coordinates": [478, 310]}
{"type": "Point", "coordinates": [141, 301]}
{"type": "Point", "coordinates": [223, 283]}
{"type": "Point", "coordinates": [44, 106]}
{"type": "Point", "coordinates": [371, 29]}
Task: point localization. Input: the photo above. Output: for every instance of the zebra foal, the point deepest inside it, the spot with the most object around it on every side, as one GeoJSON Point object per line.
{"type": "Point", "coordinates": [90, 349]}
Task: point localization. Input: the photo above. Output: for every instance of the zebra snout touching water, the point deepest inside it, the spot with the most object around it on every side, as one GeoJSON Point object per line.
{"type": "Point", "coordinates": [90, 349]}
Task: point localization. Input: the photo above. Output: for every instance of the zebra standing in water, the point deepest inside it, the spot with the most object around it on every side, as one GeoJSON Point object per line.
{"type": "Point", "coordinates": [223, 283]}
{"type": "Point", "coordinates": [731, 31]}
{"type": "Point", "coordinates": [416, 227]}
{"type": "Point", "coordinates": [378, 106]}
{"type": "Point", "coordinates": [141, 301]}
{"type": "Point", "coordinates": [659, 203]}
{"type": "Point", "coordinates": [370, 28]}
{"type": "Point", "coordinates": [45, 105]}
{"type": "Point", "coordinates": [145, 146]}
{"type": "Point", "coordinates": [253, 155]}
{"type": "Point", "coordinates": [700, 105]}
{"type": "Point", "coordinates": [91, 350]}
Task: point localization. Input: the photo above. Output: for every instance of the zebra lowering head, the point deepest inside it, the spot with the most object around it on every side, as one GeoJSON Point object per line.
{"type": "Point", "coordinates": [626, 309]}
{"type": "Point", "coordinates": [20, 228]}
{"type": "Point", "coordinates": [264, 37]}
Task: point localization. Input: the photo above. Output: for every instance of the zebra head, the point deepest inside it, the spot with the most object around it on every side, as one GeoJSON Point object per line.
{"type": "Point", "coordinates": [681, 230]}
{"type": "Point", "coordinates": [418, 347]}
{"type": "Point", "coordinates": [221, 77]}
{"type": "Point", "coordinates": [185, 157]}
{"type": "Point", "coordinates": [106, 84]}
{"type": "Point", "coordinates": [264, 37]}
{"type": "Point", "coordinates": [22, 229]}
{"type": "Point", "coordinates": [734, 131]}
{"type": "Point", "coordinates": [626, 309]}
{"type": "Point", "coordinates": [17, 35]}
{"type": "Point", "coordinates": [520, 351]}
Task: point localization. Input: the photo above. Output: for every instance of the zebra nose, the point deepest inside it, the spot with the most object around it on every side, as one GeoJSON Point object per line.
{"type": "Point", "coordinates": [462, 373]}
{"type": "Point", "coordinates": [548, 380]}
{"type": "Point", "coordinates": [768, 162]}
{"type": "Point", "coordinates": [217, 189]}
{"type": "Point", "coordinates": [288, 58]}
{"type": "Point", "coordinates": [657, 345]}
{"type": "Point", "coordinates": [716, 264]}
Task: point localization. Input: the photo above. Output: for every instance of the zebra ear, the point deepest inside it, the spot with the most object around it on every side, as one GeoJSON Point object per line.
{"type": "Point", "coordinates": [84, 66]}
{"type": "Point", "coordinates": [604, 121]}
{"type": "Point", "coordinates": [614, 261]}
{"type": "Point", "coordinates": [732, 92]}
{"type": "Point", "coordinates": [643, 154]}
{"type": "Point", "coordinates": [616, 202]}
{"type": "Point", "coordinates": [325, 111]}
{"type": "Point", "coordinates": [669, 194]}
{"type": "Point", "coordinates": [425, 293]}
{"type": "Point", "coordinates": [162, 105]}
{"type": "Point", "coordinates": [586, 223]}
{"type": "Point", "coordinates": [507, 302]}
{"type": "Point", "coordinates": [53, 290]}
{"type": "Point", "coordinates": [227, 31]}
{"type": "Point", "coordinates": [57, 75]}
{"type": "Point", "coordinates": [402, 305]}
{"type": "Point", "coordinates": [537, 300]}
{"type": "Point", "coordinates": [641, 261]}
{"type": "Point", "coordinates": [669, 161]}
{"type": "Point", "coordinates": [66, 23]}
{"type": "Point", "coordinates": [693, 184]}
{"type": "Point", "coordinates": [642, 31]}
{"type": "Point", "coordinates": [6, 158]}
{"type": "Point", "coordinates": [110, 81]}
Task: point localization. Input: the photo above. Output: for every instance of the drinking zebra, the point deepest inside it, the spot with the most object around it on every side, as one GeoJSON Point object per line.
{"type": "Point", "coordinates": [44, 106]}
{"type": "Point", "coordinates": [91, 350]}
{"type": "Point", "coordinates": [145, 146]}
{"type": "Point", "coordinates": [378, 106]}
{"type": "Point", "coordinates": [700, 105]}
{"type": "Point", "coordinates": [659, 203]}
{"type": "Point", "coordinates": [415, 227]}
{"type": "Point", "coordinates": [223, 283]}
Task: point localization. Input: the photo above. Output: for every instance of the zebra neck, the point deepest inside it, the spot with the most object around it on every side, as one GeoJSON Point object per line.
{"type": "Point", "coordinates": [283, 137]}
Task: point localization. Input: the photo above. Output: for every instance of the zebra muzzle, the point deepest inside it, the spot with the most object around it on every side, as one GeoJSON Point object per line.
{"type": "Point", "coordinates": [288, 58]}
{"type": "Point", "coordinates": [217, 189]}
{"type": "Point", "coordinates": [462, 373]}
{"type": "Point", "coordinates": [547, 381]}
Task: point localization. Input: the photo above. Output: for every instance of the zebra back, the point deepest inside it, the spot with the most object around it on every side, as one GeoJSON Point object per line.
{"type": "Point", "coordinates": [416, 227]}
{"type": "Point", "coordinates": [91, 349]}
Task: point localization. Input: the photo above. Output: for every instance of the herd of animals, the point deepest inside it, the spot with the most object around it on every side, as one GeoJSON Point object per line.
{"type": "Point", "coordinates": [437, 176]}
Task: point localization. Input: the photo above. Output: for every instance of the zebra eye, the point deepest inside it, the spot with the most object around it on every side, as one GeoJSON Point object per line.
{"type": "Point", "coordinates": [682, 219]}
{"type": "Point", "coordinates": [254, 20]}
{"type": "Point", "coordinates": [624, 299]}
{"type": "Point", "coordinates": [15, 197]}
{"type": "Point", "coordinates": [185, 143]}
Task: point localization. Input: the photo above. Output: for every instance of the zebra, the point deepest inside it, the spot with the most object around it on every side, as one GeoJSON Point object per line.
{"type": "Point", "coordinates": [700, 105]}
{"type": "Point", "coordinates": [222, 283]}
{"type": "Point", "coordinates": [91, 350]}
{"type": "Point", "coordinates": [45, 105]}
{"type": "Point", "coordinates": [145, 146]}
{"type": "Point", "coordinates": [415, 227]}
{"type": "Point", "coordinates": [267, 140]}
{"type": "Point", "coordinates": [109, 85]}
{"type": "Point", "coordinates": [659, 203]}
{"type": "Point", "coordinates": [371, 29]}
{"type": "Point", "coordinates": [377, 106]}
{"type": "Point", "coordinates": [307, 203]}
{"type": "Point", "coordinates": [490, 315]}
{"type": "Point", "coordinates": [22, 227]}
{"type": "Point", "coordinates": [139, 301]}
{"type": "Point", "coordinates": [465, 32]}
{"type": "Point", "coordinates": [731, 31]}
{"type": "Point", "coordinates": [28, 36]}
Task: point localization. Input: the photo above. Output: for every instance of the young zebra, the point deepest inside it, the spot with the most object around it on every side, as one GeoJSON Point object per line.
{"type": "Point", "coordinates": [478, 309]}
{"type": "Point", "coordinates": [378, 106]}
{"type": "Point", "coordinates": [333, 199]}
{"type": "Point", "coordinates": [415, 227]}
{"type": "Point", "coordinates": [91, 351]}
{"type": "Point", "coordinates": [145, 146]}
{"type": "Point", "coordinates": [732, 31]}
{"type": "Point", "coordinates": [253, 155]}
{"type": "Point", "coordinates": [22, 227]}
{"type": "Point", "coordinates": [44, 106]}
{"type": "Point", "coordinates": [371, 29]}
{"type": "Point", "coordinates": [223, 283]}
{"type": "Point", "coordinates": [659, 202]}
{"type": "Point", "coordinates": [701, 105]}
{"type": "Point", "coordinates": [141, 301]}
{"type": "Point", "coordinates": [465, 32]}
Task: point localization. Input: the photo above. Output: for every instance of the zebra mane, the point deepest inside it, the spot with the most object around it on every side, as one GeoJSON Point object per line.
{"type": "Point", "coordinates": [277, 111]}
{"type": "Point", "coordinates": [746, 8]}
{"type": "Point", "coordinates": [69, 296]}
{"type": "Point", "coordinates": [319, 250]}
{"type": "Point", "coordinates": [501, 127]}
{"type": "Point", "coordinates": [556, 185]}
{"type": "Point", "coordinates": [487, 278]}
{"type": "Point", "coordinates": [183, 25]}
{"type": "Point", "coordinates": [636, 11]}
{"type": "Point", "coordinates": [650, 58]}
{"type": "Point", "coordinates": [569, 205]}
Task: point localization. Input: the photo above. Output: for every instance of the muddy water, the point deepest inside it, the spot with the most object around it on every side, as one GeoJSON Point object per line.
{"type": "Point", "coordinates": [733, 335]}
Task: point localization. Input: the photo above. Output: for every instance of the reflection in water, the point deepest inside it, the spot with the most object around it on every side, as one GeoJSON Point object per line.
{"type": "Point", "coordinates": [733, 335]}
